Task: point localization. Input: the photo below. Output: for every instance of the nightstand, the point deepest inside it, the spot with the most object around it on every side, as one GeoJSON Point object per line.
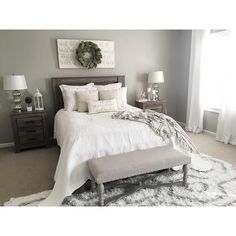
{"type": "Point", "coordinates": [29, 129]}
{"type": "Point", "coordinates": [159, 106]}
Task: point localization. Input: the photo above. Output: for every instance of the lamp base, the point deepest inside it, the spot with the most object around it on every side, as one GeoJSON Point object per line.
{"type": "Point", "coordinates": [17, 100]}
{"type": "Point", "coordinates": [155, 92]}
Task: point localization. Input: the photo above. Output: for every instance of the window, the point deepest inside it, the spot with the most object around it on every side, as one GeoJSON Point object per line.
{"type": "Point", "coordinates": [215, 67]}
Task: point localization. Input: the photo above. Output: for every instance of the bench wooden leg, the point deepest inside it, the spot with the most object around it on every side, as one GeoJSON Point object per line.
{"type": "Point", "coordinates": [101, 192]}
{"type": "Point", "coordinates": [185, 177]}
{"type": "Point", "coordinates": [93, 184]}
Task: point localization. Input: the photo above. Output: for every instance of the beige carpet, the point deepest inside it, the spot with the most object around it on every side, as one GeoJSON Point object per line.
{"type": "Point", "coordinates": [32, 171]}
{"type": "Point", "coordinates": [27, 172]}
{"type": "Point", "coordinates": [208, 145]}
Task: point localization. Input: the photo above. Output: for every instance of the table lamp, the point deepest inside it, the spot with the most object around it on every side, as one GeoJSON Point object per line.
{"type": "Point", "coordinates": [155, 78]}
{"type": "Point", "coordinates": [15, 83]}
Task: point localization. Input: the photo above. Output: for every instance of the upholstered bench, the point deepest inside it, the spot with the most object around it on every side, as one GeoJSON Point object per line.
{"type": "Point", "coordinates": [110, 168]}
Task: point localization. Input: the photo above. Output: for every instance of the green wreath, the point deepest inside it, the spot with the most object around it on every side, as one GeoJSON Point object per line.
{"type": "Point", "coordinates": [88, 54]}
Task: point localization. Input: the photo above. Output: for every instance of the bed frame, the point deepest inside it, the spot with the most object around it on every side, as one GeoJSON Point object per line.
{"type": "Point", "coordinates": [100, 80]}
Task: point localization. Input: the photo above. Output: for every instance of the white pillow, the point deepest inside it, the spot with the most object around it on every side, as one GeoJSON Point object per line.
{"type": "Point", "coordinates": [124, 94]}
{"type": "Point", "coordinates": [102, 106]}
{"type": "Point", "coordinates": [118, 94]}
{"type": "Point", "coordinates": [69, 95]}
{"type": "Point", "coordinates": [108, 86]}
{"type": "Point", "coordinates": [83, 97]}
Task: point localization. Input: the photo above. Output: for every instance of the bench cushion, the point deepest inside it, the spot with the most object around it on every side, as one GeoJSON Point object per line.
{"type": "Point", "coordinates": [109, 168]}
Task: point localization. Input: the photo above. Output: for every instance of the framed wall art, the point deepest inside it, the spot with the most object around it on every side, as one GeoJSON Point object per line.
{"type": "Point", "coordinates": [67, 53]}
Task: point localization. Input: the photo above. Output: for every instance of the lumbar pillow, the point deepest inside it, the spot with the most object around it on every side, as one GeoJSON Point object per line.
{"type": "Point", "coordinates": [85, 96]}
{"type": "Point", "coordinates": [69, 95]}
{"type": "Point", "coordinates": [108, 86]}
{"type": "Point", "coordinates": [102, 106]}
{"type": "Point", "coordinates": [118, 94]}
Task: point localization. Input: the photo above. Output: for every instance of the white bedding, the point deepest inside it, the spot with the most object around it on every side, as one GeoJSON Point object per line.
{"type": "Point", "coordinates": [82, 136]}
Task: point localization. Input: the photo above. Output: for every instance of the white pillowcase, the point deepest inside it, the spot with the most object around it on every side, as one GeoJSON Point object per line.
{"type": "Point", "coordinates": [108, 86]}
{"type": "Point", "coordinates": [124, 94]}
{"type": "Point", "coordinates": [119, 94]}
{"type": "Point", "coordinates": [69, 95]}
{"type": "Point", "coordinates": [102, 106]}
{"type": "Point", "coordinates": [83, 97]}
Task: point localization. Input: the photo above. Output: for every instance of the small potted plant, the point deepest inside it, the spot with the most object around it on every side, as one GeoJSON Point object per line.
{"type": "Point", "coordinates": [28, 101]}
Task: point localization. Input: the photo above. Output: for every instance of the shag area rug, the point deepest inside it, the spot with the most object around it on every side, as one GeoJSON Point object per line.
{"type": "Point", "coordinates": [216, 187]}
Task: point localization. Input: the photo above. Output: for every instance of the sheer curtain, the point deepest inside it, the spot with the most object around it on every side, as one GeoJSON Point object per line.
{"type": "Point", "coordinates": [194, 119]}
{"type": "Point", "coordinates": [212, 82]}
{"type": "Point", "coordinates": [226, 129]}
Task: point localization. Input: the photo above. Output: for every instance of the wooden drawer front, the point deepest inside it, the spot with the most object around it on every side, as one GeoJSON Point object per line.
{"type": "Point", "coordinates": [30, 122]}
{"type": "Point", "coordinates": [158, 108]}
{"type": "Point", "coordinates": [32, 139]}
{"type": "Point", "coordinates": [30, 131]}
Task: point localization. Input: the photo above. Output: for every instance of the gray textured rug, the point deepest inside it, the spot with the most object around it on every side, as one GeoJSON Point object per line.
{"type": "Point", "coordinates": [216, 187]}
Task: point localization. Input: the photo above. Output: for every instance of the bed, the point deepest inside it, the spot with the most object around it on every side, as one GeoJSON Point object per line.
{"type": "Point", "coordinates": [82, 137]}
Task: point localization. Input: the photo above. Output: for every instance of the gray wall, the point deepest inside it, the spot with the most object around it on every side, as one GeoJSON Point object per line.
{"type": "Point", "coordinates": [210, 120]}
{"type": "Point", "coordinates": [34, 54]}
{"type": "Point", "coordinates": [184, 47]}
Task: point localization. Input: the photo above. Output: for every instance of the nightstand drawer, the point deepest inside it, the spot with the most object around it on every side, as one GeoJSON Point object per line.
{"type": "Point", "coordinates": [30, 130]}
{"type": "Point", "coordinates": [32, 139]}
{"type": "Point", "coordinates": [30, 122]}
{"type": "Point", "coordinates": [158, 108]}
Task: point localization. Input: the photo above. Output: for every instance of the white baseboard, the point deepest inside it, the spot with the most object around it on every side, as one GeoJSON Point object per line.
{"type": "Point", "coordinates": [209, 132]}
{"type": "Point", "coordinates": [4, 145]}
{"type": "Point", "coordinates": [205, 130]}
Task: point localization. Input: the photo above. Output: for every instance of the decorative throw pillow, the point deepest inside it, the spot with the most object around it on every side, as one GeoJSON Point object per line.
{"type": "Point", "coordinates": [108, 86]}
{"type": "Point", "coordinates": [102, 106]}
{"type": "Point", "coordinates": [117, 94]}
{"type": "Point", "coordinates": [83, 97]}
{"type": "Point", "coordinates": [69, 95]}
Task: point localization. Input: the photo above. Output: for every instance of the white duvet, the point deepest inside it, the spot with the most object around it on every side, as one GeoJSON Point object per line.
{"type": "Point", "coordinates": [82, 136]}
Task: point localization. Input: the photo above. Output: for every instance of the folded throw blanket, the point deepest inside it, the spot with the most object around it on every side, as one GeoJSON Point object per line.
{"type": "Point", "coordinates": [163, 125]}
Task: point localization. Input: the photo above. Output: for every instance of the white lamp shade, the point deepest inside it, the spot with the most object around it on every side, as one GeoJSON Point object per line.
{"type": "Point", "coordinates": [156, 77]}
{"type": "Point", "coordinates": [14, 82]}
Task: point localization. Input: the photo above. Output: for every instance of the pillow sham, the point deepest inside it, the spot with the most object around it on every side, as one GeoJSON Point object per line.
{"type": "Point", "coordinates": [124, 94]}
{"type": "Point", "coordinates": [118, 94]}
{"type": "Point", "coordinates": [69, 95]}
{"type": "Point", "coordinates": [102, 106]}
{"type": "Point", "coordinates": [108, 86]}
{"type": "Point", "coordinates": [83, 97]}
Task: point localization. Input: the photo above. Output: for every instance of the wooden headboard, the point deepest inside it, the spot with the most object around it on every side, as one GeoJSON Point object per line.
{"type": "Point", "coordinates": [102, 80]}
